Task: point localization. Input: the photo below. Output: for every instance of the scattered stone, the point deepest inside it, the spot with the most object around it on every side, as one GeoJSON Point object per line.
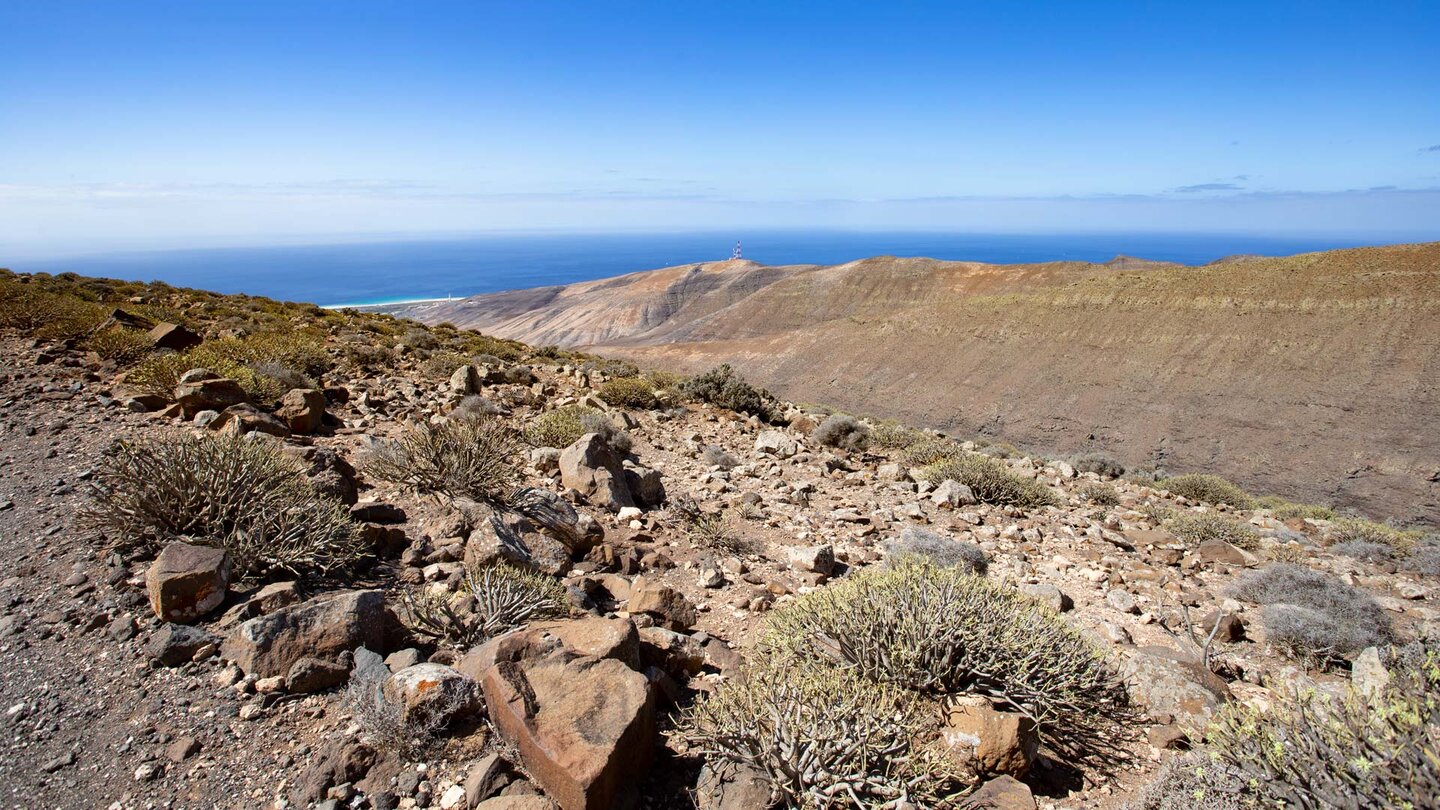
{"type": "Point", "coordinates": [815, 559]}
{"type": "Point", "coordinates": [1050, 596]}
{"type": "Point", "coordinates": [1003, 793]}
{"type": "Point", "coordinates": [592, 468]}
{"type": "Point", "coordinates": [1169, 686]}
{"type": "Point", "coordinates": [302, 410]}
{"type": "Point", "coordinates": [663, 602]}
{"type": "Point", "coordinates": [989, 741]}
{"type": "Point", "coordinates": [175, 644]}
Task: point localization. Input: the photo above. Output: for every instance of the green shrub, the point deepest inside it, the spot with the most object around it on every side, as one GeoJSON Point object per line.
{"type": "Point", "coordinates": [722, 387]}
{"type": "Point", "coordinates": [1195, 528]}
{"type": "Point", "coordinates": [560, 427]}
{"type": "Point", "coordinates": [492, 599]}
{"type": "Point", "coordinates": [241, 495]}
{"type": "Point", "coordinates": [888, 435]}
{"type": "Point", "coordinates": [1099, 494]}
{"type": "Point", "coordinates": [1288, 510]}
{"type": "Point", "coordinates": [629, 392]}
{"type": "Point", "coordinates": [991, 481]}
{"type": "Point", "coordinates": [932, 450]}
{"type": "Point", "coordinates": [843, 431]}
{"type": "Point", "coordinates": [462, 458]}
{"type": "Point", "coordinates": [946, 631]}
{"type": "Point", "coordinates": [1205, 488]}
{"type": "Point", "coordinates": [1312, 616]}
{"type": "Point", "coordinates": [265, 365]}
{"type": "Point", "coordinates": [123, 346]}
{"type": "Point", "coordinates": [1357, 751]}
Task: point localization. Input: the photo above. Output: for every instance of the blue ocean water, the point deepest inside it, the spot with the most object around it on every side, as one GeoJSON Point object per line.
{"type": "Point", "coordinates": [369, 273]}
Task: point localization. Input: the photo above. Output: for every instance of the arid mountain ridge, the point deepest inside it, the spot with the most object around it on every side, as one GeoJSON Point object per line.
{"type": "Point", "coordinates": [1313, 376]}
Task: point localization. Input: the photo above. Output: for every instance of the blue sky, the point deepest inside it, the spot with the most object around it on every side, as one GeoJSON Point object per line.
{"type": "Point", "coordinates": [191, 123]}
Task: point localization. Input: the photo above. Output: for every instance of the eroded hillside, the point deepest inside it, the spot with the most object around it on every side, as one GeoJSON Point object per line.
{"type": "Point", "coordinates": [1315, 376]}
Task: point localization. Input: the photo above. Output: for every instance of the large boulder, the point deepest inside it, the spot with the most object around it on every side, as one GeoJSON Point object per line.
{"type": "Point", "coordinates": [584, 727]}
{"type": "Point", "coordinates": [302, 410]}
{"type": "Point", "coordinates": [186, 581]}
{"type": "Point", "coordinates": [647, 486]}
{"type": "Point", "coordinates": [174, 337]}
{"type": "Point", "coordinates": [210, 393]}
{"type": "Point", "coordinates": [267, 646]}
{"type": "Point", "coordinates": [592, 468]}
{"type": "Point", "coordinates": [1173, 688]}
{"type": "Point", "coordinates": [592, 637]}
{"type": "Point", "coordinates": [465, 381]}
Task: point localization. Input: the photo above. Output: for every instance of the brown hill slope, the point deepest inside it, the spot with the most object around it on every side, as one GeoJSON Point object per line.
{"type": "Point", "coordinates": [1326, 361]}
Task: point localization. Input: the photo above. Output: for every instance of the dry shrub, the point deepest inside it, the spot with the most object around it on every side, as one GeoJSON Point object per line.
{"type": "Point", "coordinates": [492, 599]}
{"type": "Point", "coordinates": [843, 431]}
{"type": "Point", "coordinates": [1313, 616]}
{"type": "Point", "coordinates": [233, 492]}
{"type": "Point", "coordinates": [942, 631]}
{"type": "Point", "coordinates": [462, 458]}
{"type": "Point", "coordinates": [385, 723]}
{"type": "Point", "coordinates": [710, 529]}
{"type": "Point", "coordinates": [991, 481]}
{"type": "Point", "coordinates": [1196, 782]}
{"type": "Point", "coordinates": [1289, 510]}
{"type": "Point", "coordinates": [630, 392]}
{"type": "Point", "coordinates": [1204, 488]}
{"type": "Point", "coordinates": [1195, 528]}
{"type": "Point", "coordinates": [936, 548]}
{"type": "Point", "coordinates": [717, 457]}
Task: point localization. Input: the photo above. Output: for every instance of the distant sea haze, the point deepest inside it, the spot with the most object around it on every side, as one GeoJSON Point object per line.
{"type": "Point", "coordinates": [387, 272]}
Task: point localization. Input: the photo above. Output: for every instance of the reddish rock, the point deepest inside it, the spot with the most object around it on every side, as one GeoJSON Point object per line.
{"type": "Point", "coordinates": [213, 394]}
{"type": "Point", "coordinates": [187, 581]}
{"type": "Point", "coordinates": [989, 741]}
{"type": "Point", "coordinates": [173, 336]}
{"type": "Point", "coordinates": [302, 410]}
{"type": "Point", "coordinates": [1003, 793]}
{"type": "Point", "coordinates": [663, 602]}
{"type": "Point", "coordinates": [584, 727]}
{"type": "Point", "coordinates": [267, 646]}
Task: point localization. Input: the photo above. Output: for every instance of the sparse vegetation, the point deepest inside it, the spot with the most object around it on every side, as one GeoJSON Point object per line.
{"type": "Point", "coordinates": [1313, 616]}
{"type": "Point", "coordinates": [711, 530]}
{"type": "Point", "coordinates": [840, 430]}
{"type": "Point", "coordinates": [462, 458]}
{"type": "Point", "coordinates": [492, 599]}
{"type": "Point", "coordinates": [723, 387]}
{"type": "Point", "coordinates": [265, 365]}
{"type": "Point", "coordinates": [888, 435]}
{"type": "Point", "coordinates": [1290, 510]}
{"type": "Point", "coordinates": [232, 492]}
{"type": "Point", "coordinates": [1204, 488]}
{"type": "Point", "coordinates": [384, 721]}
{"type": "Point", "coordinates": [991, 481]}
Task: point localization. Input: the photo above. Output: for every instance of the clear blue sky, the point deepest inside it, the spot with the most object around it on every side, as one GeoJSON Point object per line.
{"type": "Point", "coordinates": [200, 122]}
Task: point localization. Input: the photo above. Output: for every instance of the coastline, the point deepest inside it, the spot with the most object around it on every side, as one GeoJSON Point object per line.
{"type": "Point", "coordinates": [395, 303]}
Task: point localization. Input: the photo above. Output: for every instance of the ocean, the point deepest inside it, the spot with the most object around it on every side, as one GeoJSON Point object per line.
{"type": "Point", "coordinates": [388, 272]}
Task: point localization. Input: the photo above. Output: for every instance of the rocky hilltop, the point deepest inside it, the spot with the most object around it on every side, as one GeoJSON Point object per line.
{"type": "Point", "coordinates": [267, 555]}
{"type": "Point", "coordinates": [1255, 368]}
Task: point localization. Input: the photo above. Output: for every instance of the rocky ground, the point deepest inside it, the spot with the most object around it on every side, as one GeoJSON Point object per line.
{"type": "Point", "coordinates": [239, 700]}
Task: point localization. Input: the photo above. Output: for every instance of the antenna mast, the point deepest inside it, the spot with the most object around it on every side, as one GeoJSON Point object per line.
{"type": "Point", "coordinates": [735, 254]}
